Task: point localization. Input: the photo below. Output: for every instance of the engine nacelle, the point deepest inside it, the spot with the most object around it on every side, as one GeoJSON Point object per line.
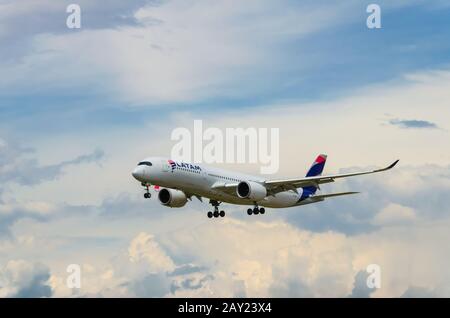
{"type": "Point", "coordinates": [172, 198]}
{"type": "Point", "coordinates": [251, 190]}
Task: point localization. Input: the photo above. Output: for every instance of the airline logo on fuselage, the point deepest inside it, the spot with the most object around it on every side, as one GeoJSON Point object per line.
{"type": "Point", "coordinates": [174, 165]}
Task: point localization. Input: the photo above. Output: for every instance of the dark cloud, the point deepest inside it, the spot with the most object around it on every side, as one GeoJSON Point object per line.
{"type": "Point", "coordinates": [290, 288]}
{"type": "Point", "coordinates": [29, 172]}
{"type": "Point", "coordinates": [151, 285]}
{"type": "Point", "coordinates": [17, 167]}
{"type": "Point", "coordinates": [360, 289]}
{"type": "Point", "coordinates": [10, 151]}
{"type": "Point", "coordinates": [159, 284]}
{"type": "Point", "coordinates": [37, 287]}
{"type": "Point", "coordinates": [24, 280]}
{"type": "Point", "coordinates": [190, 283]}
{"type": "Point", "coordinates": [413, 123]}
{"type": "Point", "coordinates": [15, 214]}
{"type": "Point", "coordinates": [418, 292]}
{"type": "Point", "coordinates": [22, 21]}
{"type": "Point", "coordinates": [125, 204]}
{"type": "Point", "coordinates": [352, 215]}
{"type": "Point", "coordinates": [346, 215]}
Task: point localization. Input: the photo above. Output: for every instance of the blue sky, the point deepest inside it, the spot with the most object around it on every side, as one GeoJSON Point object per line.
{"type": "Point", "coordinates": [79, 108]}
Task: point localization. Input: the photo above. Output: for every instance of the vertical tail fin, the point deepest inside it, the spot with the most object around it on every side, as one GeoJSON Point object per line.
{"type": "Point", "coordinates": [317, 166]}
{"type": "Point", "coordinates": [315, 170]}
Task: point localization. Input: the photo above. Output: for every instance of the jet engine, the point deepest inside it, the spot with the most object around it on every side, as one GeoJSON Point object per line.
{"type": "Point", "coordinates": [172, 198]}
{"type": "Point", "coordinates": [251, 190]}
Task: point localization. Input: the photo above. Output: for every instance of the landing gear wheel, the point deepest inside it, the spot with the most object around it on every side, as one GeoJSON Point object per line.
{"type": "Point", "coordinates": [255, 211]}
{"type": "Point", "coordinates": [216, 212]}
{"type": "Point", "coordinates": [249, 211]}
{"type": "Point", "coordinates": [262, 210]}
{"type": "Point", "coordinates": [147, 194]}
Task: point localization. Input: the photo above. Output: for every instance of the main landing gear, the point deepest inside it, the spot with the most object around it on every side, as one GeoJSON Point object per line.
{"type": "Point", "coordinates": [147, 194]}
{"type": "Point", "coordinates": [256, 210]}
{"type": "Point", "coordinates": [216, 212]}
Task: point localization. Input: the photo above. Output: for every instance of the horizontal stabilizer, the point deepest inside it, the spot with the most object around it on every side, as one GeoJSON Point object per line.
{"type": "Point", "coordinates": [324, 196]}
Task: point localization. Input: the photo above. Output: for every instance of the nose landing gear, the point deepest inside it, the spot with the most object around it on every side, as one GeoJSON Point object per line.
{"type": "Point", "coordinates": [147, 194]}
{"type": "Point", "coordinates": [216, 212]}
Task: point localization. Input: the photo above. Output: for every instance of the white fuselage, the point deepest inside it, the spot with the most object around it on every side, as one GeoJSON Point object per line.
{"type": "Point", "coordinates": [200, 180]}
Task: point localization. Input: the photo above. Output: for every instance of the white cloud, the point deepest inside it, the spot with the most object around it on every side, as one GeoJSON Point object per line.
{"type": "Point", "coordinates": [268, 258]}
{"type": "Point", "coordinates": [296, 263]}
{"type": "Point", "coordinates": [179, 51]}
{"type": "Point", "coordinates": [351, 129]}
{"type": "Point", "coordinates": [394, 214]}
{"type": "Point", "coordinates": [144, 248]}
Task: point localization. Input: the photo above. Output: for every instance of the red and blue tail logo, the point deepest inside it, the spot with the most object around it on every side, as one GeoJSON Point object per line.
{"type": "Point", "coordinates": [317, 166]}
{"type": "Point", "coordinates": [315, 170]}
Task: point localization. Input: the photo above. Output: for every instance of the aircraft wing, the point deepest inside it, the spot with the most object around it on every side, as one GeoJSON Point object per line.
{"type": "Point", "coordinates": [275, 186]}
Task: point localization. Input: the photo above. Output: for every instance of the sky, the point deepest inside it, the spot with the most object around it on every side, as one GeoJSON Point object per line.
{"type": "Point", "coordinates": [80, 107]}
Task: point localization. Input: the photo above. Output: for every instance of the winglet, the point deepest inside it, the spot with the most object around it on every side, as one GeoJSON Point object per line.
{"type": "Point", "coordinates": [392, 165]}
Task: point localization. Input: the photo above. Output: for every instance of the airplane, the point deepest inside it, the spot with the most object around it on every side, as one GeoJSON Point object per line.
{"type": "Point", "coordinates": [178, 182]}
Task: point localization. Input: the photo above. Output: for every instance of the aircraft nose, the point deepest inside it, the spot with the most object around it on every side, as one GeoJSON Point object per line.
{"type": "Point", "coordinates": [138, 173]}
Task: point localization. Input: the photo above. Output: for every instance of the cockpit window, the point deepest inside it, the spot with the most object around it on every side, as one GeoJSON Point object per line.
{"type": "Point", "coordinates": [144, 163]}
